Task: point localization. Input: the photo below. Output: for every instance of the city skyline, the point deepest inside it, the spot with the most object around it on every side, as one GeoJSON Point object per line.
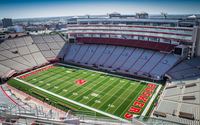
{"type": "Point", "coordinates": [53, 8]}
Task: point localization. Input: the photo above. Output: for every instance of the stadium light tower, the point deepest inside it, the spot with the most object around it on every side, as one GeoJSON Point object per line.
{"type": "Point", "coordinates": [164, 14]}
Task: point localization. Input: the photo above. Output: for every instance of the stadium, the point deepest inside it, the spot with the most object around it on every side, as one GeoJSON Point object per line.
{"type": "Point", "coordinates": [105, 72]}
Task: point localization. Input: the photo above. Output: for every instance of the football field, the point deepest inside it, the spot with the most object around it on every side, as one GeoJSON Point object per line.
{"type": "Point", "coordinates": [81, 89]}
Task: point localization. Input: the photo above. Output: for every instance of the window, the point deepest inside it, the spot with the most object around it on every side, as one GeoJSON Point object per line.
{"type": "Point", "coordinates": [153, 39]}
{"type": "Point", "coordinates": [141, 37]}
{"type": "Point", "coordinates": [165, 41]}
{"type": "Point", "coordinates": [174, 42]}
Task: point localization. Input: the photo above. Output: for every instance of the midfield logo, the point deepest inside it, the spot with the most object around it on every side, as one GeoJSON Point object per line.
{"type": "Point", "coordinates": [80, 81]}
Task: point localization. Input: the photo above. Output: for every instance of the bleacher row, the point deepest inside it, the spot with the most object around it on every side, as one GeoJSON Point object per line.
{"type": "Point", "coordinates": [14, 109]}
{"type": "Point", "coordinates": [9, 99]}
{"type": "Point", "coordinates": [186, 69]}
{"type": "Point", "coordinates": [49, 45]}
{"type": "Point", "coordinates": [180, 102]}
{"type": "Point", "coordinates": [127, 60]}
{"type": "Point", "coordinates": [23, 53]}
{"type": "Point", "coordinates": [4, 99]}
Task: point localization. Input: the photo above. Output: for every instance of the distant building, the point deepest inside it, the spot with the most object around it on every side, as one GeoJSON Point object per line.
{"type": "Point", "coordinates": [2, 36]}
{"type": "Point", "coordinates": [115, 15]}
{"type": "Point", "coordinates": [7, 22]}
{"type": "Point", "coordinates": [120, 16]}
{"type": "Point", "coordinates": [16, 29]}
{"type": "Point", "coordinates": [142, 15]}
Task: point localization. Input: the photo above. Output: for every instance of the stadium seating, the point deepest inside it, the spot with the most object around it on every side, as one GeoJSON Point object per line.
{"type": "Point", "coordinates": [186, 69]}
{"type": "Point", "coordinates": [113, 57]}
{"type": "Point", "coordinates": [26, 52]}
{"type": "Point", "coordinates": [72, 52]}
{"type": "Point", "coordinates": [91, 50]}
{"type": "Point", "coordinates": [4, 70]}
{"type": "Point", "coordinates": [4, 99]}
{"type": "Point", "coordinates": [135, 61]}
{"type": "Point", "coordinates": [49, 45]}
{"type": "Point", "coordinates": [105, 56]}
{"type": "Point", "coordinates": [81, 52]}
{"type": "Point", "coordinates": [96, 55]}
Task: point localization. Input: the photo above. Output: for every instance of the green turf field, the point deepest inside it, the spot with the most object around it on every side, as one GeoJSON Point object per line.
{"type": "Point", "coordinates": [82, 89]}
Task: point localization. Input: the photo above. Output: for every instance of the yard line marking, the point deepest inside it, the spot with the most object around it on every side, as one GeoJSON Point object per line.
{"type": "Point", "coordinates": [45, 77]}
{"type": "Point", "coordinates": [106, 94]}
{"type": "Point", "coordinates": [70, 81]}
{"type": "Point", "coordinates": [115, 75]}
{"type": "Point", "coordinates": [61, 78]}
{"type": "Point", "coordinates": [98, 83]}
{"type": "Point", "coordinates": [74, 102]}
{"type": "Point", "coordinates": [125, 99]}
{"type": "Point", "coordinates": [121, 86]}
{"type": "Point", "coordinates": [101, 90]}
{"type": "Point", "coordinates": [46, 80]}
{"type": "Point", "coordinates": [133, 100]}
{"type": "Point", "coordinates": [75, 88]}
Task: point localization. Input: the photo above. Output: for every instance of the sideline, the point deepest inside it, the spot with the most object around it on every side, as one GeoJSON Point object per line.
{"type": "Point", "coordinates": [74, 102]}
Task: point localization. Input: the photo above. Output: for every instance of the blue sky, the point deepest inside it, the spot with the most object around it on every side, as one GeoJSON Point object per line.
{"type": "Point", "coordinates": [49, 8]}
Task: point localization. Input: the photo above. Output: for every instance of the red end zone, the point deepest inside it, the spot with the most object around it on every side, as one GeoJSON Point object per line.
{"type": "Point", "coordinates": [36, 71]}
{"type": "Point", "coordinates": [141, 101]}
{"type": "Point", "coordinates": [80, 81]}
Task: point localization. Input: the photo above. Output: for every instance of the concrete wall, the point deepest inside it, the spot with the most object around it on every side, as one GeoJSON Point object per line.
{"type": "Point", "coordinates": [197, 50]}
